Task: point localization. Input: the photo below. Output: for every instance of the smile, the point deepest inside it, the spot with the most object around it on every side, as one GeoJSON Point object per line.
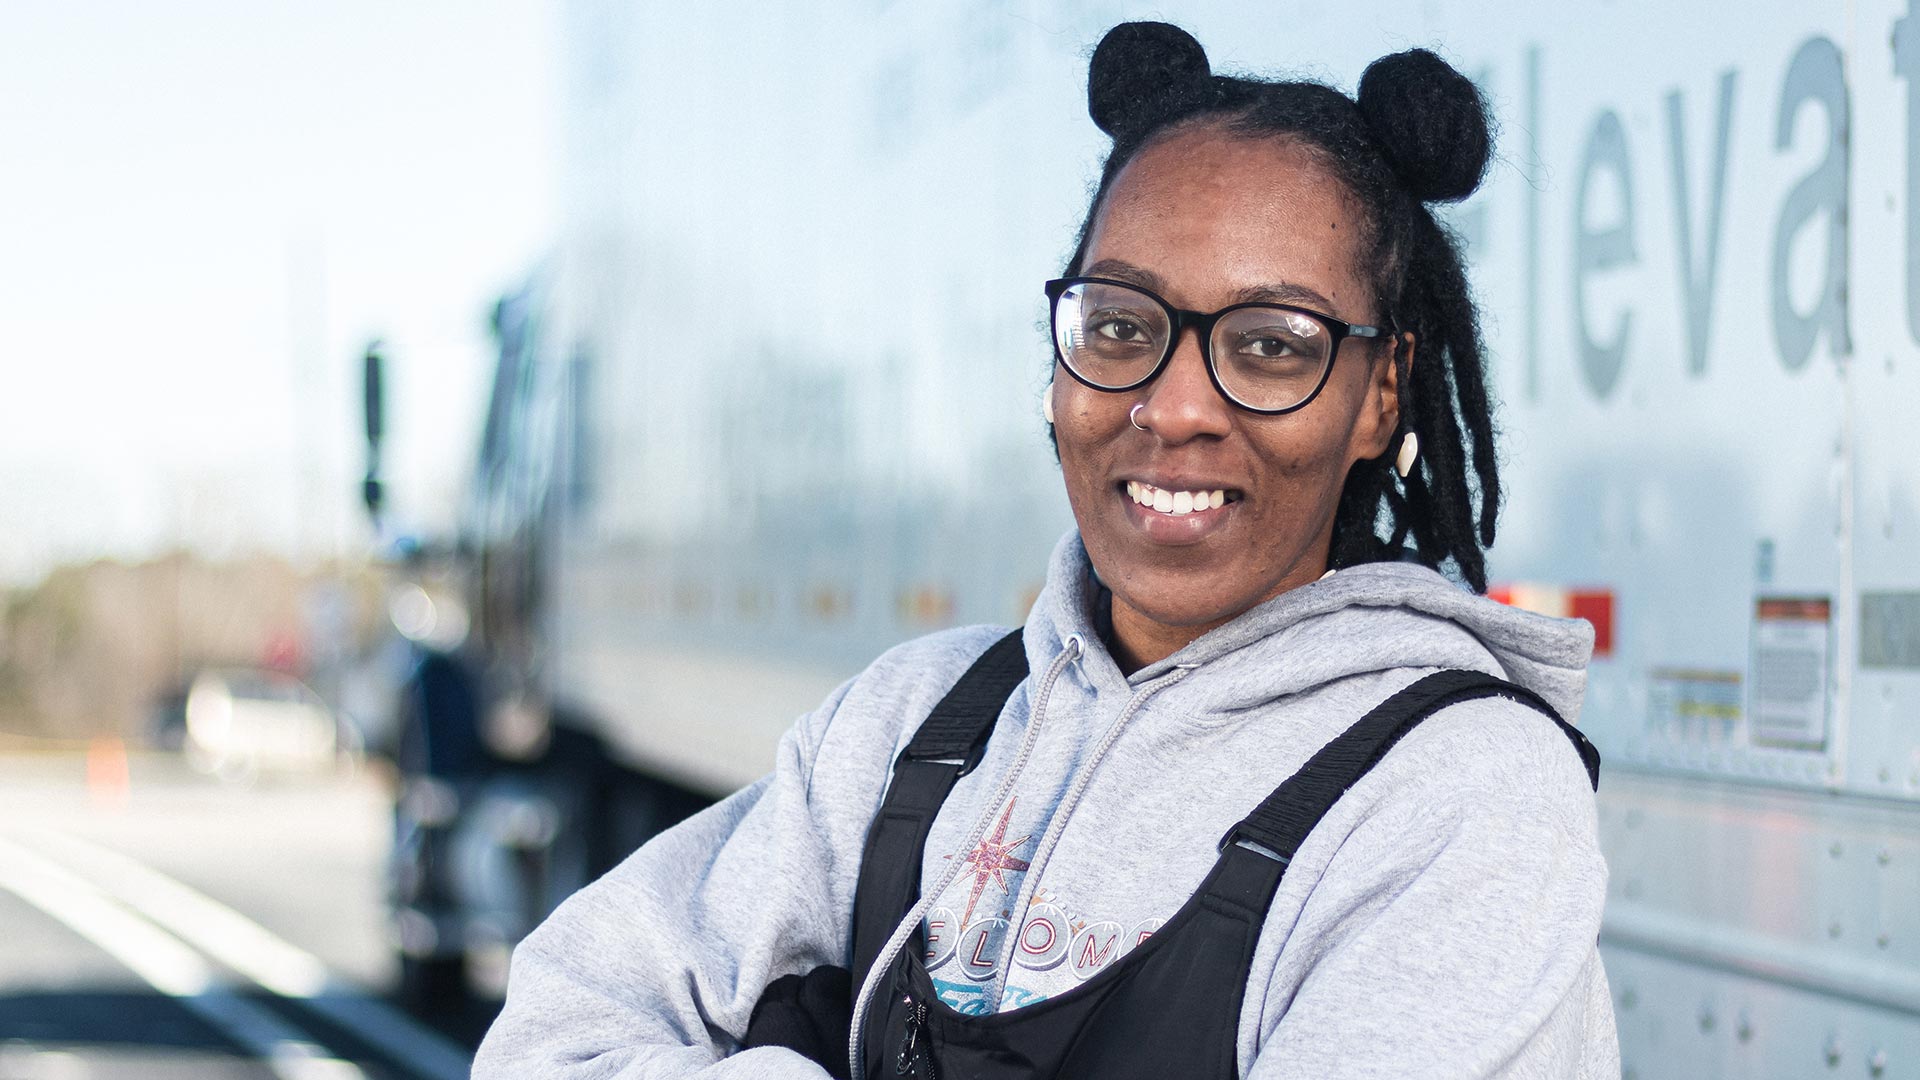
{"type": "Point", "coordinates": [1178, 503]}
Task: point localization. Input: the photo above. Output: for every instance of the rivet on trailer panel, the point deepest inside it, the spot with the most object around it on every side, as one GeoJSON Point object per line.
{"type": "Point", "coordinates": [1883, 856]}
{"type": "Point", "coordinates": [1836, 850]}
{"type": "Point", "coordinates": [1706, 1018]}
{"type": "Point", "coordinates": [1877, 1062]}
{"type": "Point", "coordinates": [1743, 1028]}
{"type": "Point", "coordinates": [1833, 929]}
{"type": "Point", "coordinates": [1883, 940]}
{"type": "Point", "coordinates": [1832, 1049]}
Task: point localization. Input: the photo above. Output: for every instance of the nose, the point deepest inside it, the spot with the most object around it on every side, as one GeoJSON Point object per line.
{"type": "Point", "coordinates": [1182, 404]}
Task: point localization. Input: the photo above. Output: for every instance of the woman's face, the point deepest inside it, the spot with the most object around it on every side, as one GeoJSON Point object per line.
{"type": "Point", "coordinates": [1206, 219]}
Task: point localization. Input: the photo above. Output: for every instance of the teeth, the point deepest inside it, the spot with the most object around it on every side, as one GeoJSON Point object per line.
{"type": "Point", "coordinates": [1175, 503]}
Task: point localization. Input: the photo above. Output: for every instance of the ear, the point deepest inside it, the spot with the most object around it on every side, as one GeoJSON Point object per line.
{"type": "Point", "coordinates": [1379, 419]}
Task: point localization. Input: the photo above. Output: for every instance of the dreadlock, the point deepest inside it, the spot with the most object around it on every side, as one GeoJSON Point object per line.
{"type": "Point", "coordinates": [1416, 133]}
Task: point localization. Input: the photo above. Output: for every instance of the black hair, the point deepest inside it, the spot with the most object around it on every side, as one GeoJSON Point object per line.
{"type": "Point", "coordinates": [1417, 133]}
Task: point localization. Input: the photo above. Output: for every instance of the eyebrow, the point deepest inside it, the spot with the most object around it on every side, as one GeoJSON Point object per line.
{"type": "Point", "coordinates": [1282, 292]}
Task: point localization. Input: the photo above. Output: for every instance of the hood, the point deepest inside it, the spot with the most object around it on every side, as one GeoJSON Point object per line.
{"type": "Point", "coordinates": [1359, 620]}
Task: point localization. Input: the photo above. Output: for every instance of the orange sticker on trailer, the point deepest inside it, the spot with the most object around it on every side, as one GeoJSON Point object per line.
{"type": "Point", "coordinates": [1807, 609]}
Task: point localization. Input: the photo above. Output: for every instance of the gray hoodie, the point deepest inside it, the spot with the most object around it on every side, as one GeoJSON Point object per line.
{"type": "Point", "coordinates": [1439, 922]}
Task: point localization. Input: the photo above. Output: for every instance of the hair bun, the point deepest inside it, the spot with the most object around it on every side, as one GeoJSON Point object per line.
{"type": "Point", "coordinates": [1140, 72]}
{"type": "Point", "coordinates": [1431, 123]}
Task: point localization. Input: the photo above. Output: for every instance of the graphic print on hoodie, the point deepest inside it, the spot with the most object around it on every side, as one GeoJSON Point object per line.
{"type": "Point", "coordinates": [1056, 947]}
{"type": "Point", "coordinates": [970, 942]}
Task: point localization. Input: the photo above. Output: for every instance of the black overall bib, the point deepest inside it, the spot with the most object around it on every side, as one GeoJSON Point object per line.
{"type": "Point", "coordinates": [1169, 1008]}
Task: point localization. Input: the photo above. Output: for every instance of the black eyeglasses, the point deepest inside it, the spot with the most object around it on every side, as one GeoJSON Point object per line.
{"type": "Point", "coordinates": [1265, 358]}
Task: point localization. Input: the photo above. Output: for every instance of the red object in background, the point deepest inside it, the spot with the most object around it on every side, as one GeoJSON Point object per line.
{"type": "Point", "coordinates": [1593, 605]}
{"type": "Point", "coordinates": [284, 654]}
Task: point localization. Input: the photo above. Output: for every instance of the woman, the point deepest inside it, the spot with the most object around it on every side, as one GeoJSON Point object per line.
{"type": "Point", "coordinates": [1270, 414]}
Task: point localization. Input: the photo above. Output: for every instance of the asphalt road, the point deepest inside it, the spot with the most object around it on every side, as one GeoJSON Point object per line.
{"type": "Point", "coordinates": [155, 924]}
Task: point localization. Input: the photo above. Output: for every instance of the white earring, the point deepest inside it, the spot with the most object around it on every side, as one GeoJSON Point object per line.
{"type": "Point", "coordinates": [1046, 404]}
{"type": "Point", "coordinates": [1409, 449]}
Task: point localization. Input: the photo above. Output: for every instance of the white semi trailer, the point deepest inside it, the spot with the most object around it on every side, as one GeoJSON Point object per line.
{"type": "Point", "coordinates": [772, 408]}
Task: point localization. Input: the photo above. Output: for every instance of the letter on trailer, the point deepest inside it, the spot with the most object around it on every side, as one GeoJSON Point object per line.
{"type": "Point", "coordinates": [1906, 65]}
{"type": "Point", "coordinates": [1698, 275]}
{"type": "Point", "coordinates": [1814, 75]}
{"type": "Point", "coordinates": [1603, 248]}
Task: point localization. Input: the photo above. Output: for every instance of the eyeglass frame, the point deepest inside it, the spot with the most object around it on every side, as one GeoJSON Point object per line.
{"type": "Point", "coordinates": [1203, 323]}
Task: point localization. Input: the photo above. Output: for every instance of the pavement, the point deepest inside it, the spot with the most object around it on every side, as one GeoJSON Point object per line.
{"type": "Point", "coordinates": [156, 923]}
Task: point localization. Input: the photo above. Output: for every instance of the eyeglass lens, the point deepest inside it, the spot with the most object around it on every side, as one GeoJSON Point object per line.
{"type": "Point", "coordinates": [1264, 357]}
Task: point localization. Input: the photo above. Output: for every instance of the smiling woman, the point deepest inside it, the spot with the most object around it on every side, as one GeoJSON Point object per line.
{"type": "Point", "coordinates": [1256, 790]}
{"type": "Point", "coordinates": [1210, 217]}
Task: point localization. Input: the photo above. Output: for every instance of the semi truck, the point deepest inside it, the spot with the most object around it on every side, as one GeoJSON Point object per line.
{"type": "Point", "coordinates": [771, 407]}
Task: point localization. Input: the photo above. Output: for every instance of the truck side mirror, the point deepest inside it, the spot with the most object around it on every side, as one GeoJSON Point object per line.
{"type": "Point", "coordinates": [376, 419]}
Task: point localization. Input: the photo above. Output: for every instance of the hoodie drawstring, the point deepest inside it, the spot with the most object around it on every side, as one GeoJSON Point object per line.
{"type": "Point", "coordinates": [1082, 777]}
{"type": "Point", "coordinates": [905, 928]}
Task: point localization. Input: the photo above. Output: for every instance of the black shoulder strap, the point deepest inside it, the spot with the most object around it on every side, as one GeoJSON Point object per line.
{"type": "Point", "coordinates": [958, 727]}
{"type": "Point", "coordinates": [948, 744]}
{"type": "Point", "coordinates": [1281, 823]}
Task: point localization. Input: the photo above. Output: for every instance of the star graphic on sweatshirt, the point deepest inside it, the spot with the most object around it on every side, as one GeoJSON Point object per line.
{"type": "Point", "coordinates": [991, 858]}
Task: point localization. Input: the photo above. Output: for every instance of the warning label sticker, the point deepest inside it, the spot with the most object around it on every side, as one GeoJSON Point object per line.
{"type": "Point", "coordinates": [1694, 706]}
{"type": "Point", "coordinates": [1792, 654]}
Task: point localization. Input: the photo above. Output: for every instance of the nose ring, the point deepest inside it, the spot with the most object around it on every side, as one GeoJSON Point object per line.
{"type": "Point", "coordinates": [1133, 416]}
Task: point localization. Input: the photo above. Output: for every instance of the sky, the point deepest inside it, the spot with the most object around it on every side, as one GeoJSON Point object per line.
{"type": "Point", "coordinates": [207, 209]}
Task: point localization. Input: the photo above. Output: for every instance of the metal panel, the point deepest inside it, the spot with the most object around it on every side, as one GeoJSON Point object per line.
{"type": "Point", "coordinates": [1883, 699]}
{"type": "Point", "coordinates": [1681, 1020]}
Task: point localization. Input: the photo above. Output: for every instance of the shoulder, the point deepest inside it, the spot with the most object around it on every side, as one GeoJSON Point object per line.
{"type": "Point", "coordinates": [914, 675]}
{"type": "Point", "coordinates": [1485, 798]}
{"type": "Point", "coordinates": [933, 661]}
{"type": "Point", "coordinates": [878, 709]}
{"type": "Point", "coordinates": [1494, 753]}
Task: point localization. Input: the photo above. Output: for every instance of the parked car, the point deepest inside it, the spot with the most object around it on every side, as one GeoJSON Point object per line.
{"type": "Point", "coordinates": [241, 723]}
